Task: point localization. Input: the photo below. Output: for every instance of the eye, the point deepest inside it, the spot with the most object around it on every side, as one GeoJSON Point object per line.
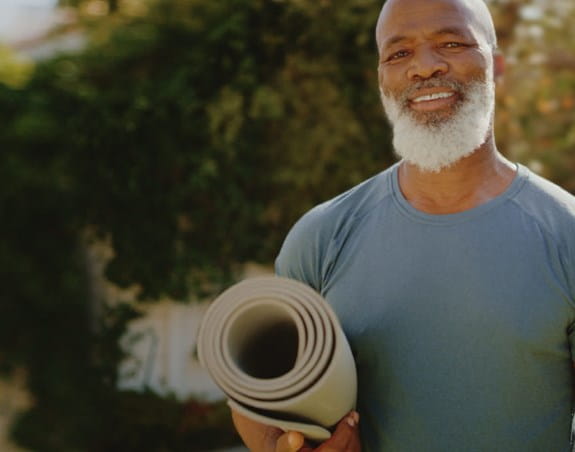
{"type": "Point", "coordinates": [453, 45]}
{"type": "Point", "coordinates": [398, 55]}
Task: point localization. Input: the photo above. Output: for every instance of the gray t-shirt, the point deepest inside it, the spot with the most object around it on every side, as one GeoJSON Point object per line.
{"type": "Point", "coordinates": [461, 324]}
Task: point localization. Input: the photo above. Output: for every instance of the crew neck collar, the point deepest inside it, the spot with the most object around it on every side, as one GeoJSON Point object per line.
{"type": "Point", "coordinates": [407, 209]}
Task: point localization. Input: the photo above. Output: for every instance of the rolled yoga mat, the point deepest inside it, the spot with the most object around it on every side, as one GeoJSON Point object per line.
{"type": "Point", "coordinates": [277, 350]}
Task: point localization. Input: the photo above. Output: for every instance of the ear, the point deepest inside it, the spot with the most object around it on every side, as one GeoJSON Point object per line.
{"type": "Point", "coordinates": [498, 65]}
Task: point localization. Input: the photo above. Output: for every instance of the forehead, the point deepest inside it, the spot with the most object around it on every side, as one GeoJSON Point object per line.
{"type": "Point", "coordinates": [409, 18]}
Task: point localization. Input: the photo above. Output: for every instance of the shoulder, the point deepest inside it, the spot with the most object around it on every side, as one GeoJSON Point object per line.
{"type": "Point", "coordinates": [552, 209]}
{"type": "Point", "coordinates": [550, 205]}
{"type": "Point", "coordinates": [307, 247]}
{"type": "Point", "coordinates": [334, 215]}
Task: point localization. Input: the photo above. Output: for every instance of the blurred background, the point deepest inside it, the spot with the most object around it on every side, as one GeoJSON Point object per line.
{"type": "Point", "coordinates": [152, 152]}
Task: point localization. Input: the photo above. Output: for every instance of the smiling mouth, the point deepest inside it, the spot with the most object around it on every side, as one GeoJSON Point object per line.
{"type": "Point", "coordinates": [434, 96]}
{"type": "Point", "coordinates": [434, 102]}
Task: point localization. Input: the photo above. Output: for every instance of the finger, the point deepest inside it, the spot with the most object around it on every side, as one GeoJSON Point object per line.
{"type": "Point", "coordinates": [345, 437]}
{"type": "Point", "coordinates": [289, 442]}
{"type": "Point", "coordinates": [354, 443]}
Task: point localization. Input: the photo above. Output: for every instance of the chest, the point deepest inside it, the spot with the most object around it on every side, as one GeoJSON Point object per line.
{"type": "Point", "coordinates": [469, 289]}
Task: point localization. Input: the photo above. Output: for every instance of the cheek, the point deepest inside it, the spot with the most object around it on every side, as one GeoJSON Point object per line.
{"type": "Point", "coordinates": [389, 80]}
{"type": "Point", "coordinates": [470, 67]}
{"type": "Point", "coordinates": [473, 70]}
{"type": "Point", "coordinates": [380, 77]}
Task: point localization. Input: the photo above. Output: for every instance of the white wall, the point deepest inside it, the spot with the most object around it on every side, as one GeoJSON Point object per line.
{"type": "Point", "coordinates": [161, 347]}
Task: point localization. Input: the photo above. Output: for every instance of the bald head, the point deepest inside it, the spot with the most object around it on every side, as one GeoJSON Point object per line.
{"type": "Point", "coordinates": [475, 11]}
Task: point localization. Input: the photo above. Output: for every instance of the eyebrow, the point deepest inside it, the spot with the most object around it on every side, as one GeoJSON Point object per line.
{"type": "Point", "coordinates": [442, 31]}
{"type": "Point", "coordinates": [452, 31]}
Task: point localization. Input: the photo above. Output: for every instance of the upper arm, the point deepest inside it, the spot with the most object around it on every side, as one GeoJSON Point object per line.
{"type": "Point", "coordinates": [303, 253]}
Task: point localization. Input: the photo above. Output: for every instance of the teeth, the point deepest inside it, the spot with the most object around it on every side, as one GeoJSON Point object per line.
{"type": "Point", "coordinates": [435, 96]}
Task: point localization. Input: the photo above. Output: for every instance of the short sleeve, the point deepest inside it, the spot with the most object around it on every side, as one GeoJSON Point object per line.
{"type": "Point", "coordinates": [302, 255]}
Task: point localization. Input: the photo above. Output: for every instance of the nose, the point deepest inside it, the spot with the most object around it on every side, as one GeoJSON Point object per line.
{"type": "Point", "coordinates": [426, 64]}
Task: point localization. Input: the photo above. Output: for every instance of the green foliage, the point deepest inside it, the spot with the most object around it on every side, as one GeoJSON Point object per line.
{"type": "Point", "coordinates": [193, 136]}
{"type": "Point", "coordinates": [14, 71]}
{"type": "Point", "coordinates": [535, 120]}
{"type": "Point", "coordinates": [136, 422]}
{"type": "Point", "coordinates": [225, 122]}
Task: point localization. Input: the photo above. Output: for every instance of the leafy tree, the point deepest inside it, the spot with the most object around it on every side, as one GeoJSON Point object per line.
{"type": "Point", "coordinates": [225, 121]}
{"type": "Point", "coordinates": [536, 116]}
{"type": "Point", "coordinates": [193, 135]}
{"type": "Point", "coordinates": [14, 71]}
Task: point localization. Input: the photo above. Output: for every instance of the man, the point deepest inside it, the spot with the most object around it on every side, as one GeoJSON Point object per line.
{"type": "Point", "coordinates": [452, 272]}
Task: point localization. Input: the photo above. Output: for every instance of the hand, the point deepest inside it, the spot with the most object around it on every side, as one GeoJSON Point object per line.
{"type": "Point", "coordinates": [344, 439]}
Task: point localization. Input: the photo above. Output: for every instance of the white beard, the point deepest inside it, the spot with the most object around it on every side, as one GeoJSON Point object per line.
{"type": "Point", "coordinates": [436, 143]}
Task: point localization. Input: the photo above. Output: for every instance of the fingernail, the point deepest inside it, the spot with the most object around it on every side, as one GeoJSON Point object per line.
{"type": "Point", "coordinates": [351, 421]}
{"type": "Point", "coordinates": [355, 415]}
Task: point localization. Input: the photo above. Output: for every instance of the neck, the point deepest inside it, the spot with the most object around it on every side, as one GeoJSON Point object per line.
{"type": "Point", "coordinates": [468, 183]}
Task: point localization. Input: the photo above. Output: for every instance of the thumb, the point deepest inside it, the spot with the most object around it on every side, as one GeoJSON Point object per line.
{"type": "Point", "coordinates": [289, 442]}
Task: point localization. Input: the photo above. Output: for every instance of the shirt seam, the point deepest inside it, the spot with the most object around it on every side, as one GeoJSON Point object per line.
{"type": "Point", "coordinates": [482, 210]}
{"type": "Point", "coordinates": [550, 235]}
{"type": "Point", "coordinates": [335, 244]}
